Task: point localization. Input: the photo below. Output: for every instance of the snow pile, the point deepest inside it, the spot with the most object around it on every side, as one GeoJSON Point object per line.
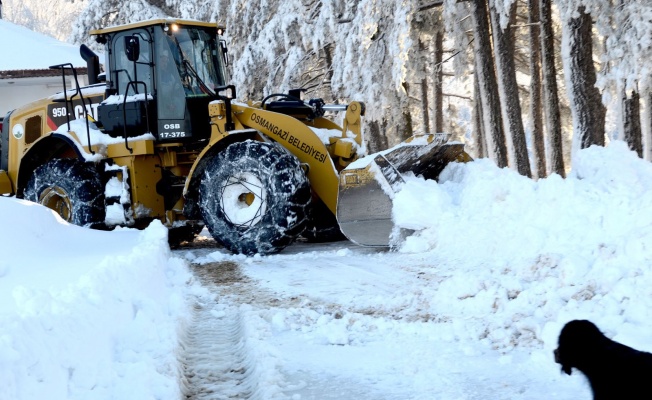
{"type": "Point", "coordinates": [469, 307]}
{"type": "Point", "coordinates": [84, 130]}
{"type": "Point", "coordinates": [87, 314]}
{"type": "Point", "coordinates": [471, 304]}
{"type": "Point", "coordinates": [525, 253]}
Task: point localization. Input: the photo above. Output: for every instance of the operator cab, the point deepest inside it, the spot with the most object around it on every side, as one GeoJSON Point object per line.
{"type": "Point", "coordinates": [161, 75]}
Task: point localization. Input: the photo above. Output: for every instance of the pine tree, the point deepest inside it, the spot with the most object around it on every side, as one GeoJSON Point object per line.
{"type": "Point", "coordinates": [508, 91]}
{"type": "Point", "coordinates": [536, 110]}
{"type": "Point", "coordinates": [586, 101]}
{"type": "Point", "coordinates": [550, 91]}
{"type": "Point", "coordinates": [484, 64]}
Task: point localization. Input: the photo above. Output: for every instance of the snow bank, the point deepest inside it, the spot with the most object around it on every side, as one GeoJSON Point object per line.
{"type": "Point", "coordinates": [498, 263]}
{"type": "Point", "coordinates": [526, 256]}
{"type": "Point", "coordinates": [86, 314]}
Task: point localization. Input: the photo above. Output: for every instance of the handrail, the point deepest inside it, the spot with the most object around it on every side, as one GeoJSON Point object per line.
{"type": "Point", "coordinates": [124, 110]}
{"type": "Point", "coordinates": [68, 101]}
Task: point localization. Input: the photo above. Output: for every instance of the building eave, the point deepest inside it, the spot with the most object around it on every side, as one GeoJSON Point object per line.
{"type": "Point", "coordinates": [34, 73]}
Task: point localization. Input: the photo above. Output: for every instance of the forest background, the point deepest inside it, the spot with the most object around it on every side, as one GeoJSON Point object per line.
{"type": "Point", "coordinates": [524, 82]}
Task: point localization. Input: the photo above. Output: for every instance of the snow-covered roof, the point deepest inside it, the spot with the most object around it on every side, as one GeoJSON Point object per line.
{"type": "Point", "coordinates": [24, 49]}
{"type": "Point", "coordinates": [156, 21]}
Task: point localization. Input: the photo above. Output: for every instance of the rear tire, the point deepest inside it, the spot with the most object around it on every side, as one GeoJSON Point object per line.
{"type": "Point", "coordinates": [254, 198]}
{"type": "Point", "coordinates": [72, 188]}
{"type": "Point", "coordinates": [183, 234]}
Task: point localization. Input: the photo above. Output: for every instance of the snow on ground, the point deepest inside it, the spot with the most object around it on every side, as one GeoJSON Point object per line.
{"type": "Point", "coordinates": [86, 314]}
{"type": "Point", "coordinates": [469, 307]}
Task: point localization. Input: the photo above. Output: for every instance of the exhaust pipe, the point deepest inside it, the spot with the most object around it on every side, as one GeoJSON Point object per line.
{"type": "Point", "coordinates": [92, 64]}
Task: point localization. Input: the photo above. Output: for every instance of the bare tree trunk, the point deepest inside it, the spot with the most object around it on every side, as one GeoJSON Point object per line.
{"type": "Point", "coordinates": [550, 91]}
{"type": "Point", "coordinates": [438, 92]}
{"type": "Point", "coordinates": [536, 115]}
{"type": "Point", "coordinates": [478, 133]}
{"type": "Point", "coordinates": [484, 65]}
{"type": "Point", "coordinates": [631, 117]}
{"type": "Point", "coordinates": [328, 56]}
{"type": "Point", "coordinates": [508, 91]}
{"type": "Point", "coordinates": [424, 104]}
{"type": "Point", "coordinates": [375, 136]}
{"type": "Point", "coordinates": [407, 128]}
{"type": "Point", "coordinates": [424, 93]}
{"type": "Point", "coordinates": [632, 122]}
{"type": "Point", "coordinates": [586, 102]}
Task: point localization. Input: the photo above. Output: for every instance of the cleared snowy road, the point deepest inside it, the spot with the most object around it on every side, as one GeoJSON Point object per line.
{"type": "Point", "coordinates": [337, 321]}
{"type": "Point", "coordinates": [221, 362]}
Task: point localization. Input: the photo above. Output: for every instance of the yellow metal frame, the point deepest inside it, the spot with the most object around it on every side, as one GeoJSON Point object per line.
{"type": "Point", "coordinates": [147, 158]}
{"type": "Point", "coordinates": [5, 183]}
{"type": "Point", "coordinates": [301, 141]}
{"type": "Point", "coordinates": [298, 138]}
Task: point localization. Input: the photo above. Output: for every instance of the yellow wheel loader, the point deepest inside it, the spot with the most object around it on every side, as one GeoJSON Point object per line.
{"type": "Point", "coordinates": [160, 135]}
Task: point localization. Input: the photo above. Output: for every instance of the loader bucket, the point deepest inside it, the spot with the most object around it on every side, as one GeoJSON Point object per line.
{"type": "Point", "coordinates": [367, 186]}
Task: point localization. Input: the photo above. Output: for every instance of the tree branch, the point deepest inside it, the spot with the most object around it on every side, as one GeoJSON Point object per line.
{"type": "Point", "coordinates": [436, 3]}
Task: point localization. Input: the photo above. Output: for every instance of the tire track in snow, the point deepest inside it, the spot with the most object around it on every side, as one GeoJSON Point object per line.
{"type": "Point", "coordinates": [222, 354]}
{"type": "Point", "coordinates": [214, 356]}
{"type": "Point", "coordinates": [218, 357]}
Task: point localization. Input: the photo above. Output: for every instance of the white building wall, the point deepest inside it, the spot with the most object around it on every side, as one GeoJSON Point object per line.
{"type": "Point", "coordinates": [18, 92]}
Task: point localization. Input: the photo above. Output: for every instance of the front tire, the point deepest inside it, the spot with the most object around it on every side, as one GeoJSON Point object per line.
{"type": "Point", "coordinates": [72, 188]}
{"type": "Point", "coordinates": [254, 198]}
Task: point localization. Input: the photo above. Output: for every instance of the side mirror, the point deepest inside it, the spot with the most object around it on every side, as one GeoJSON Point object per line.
{"type": "Point", "coordinates": [132, 48]}
{"type": "Point", "coordinates": [225, 51]}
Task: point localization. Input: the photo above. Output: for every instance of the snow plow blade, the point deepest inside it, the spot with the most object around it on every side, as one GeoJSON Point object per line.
{"type": "Point", "coordinates": [367, 186]}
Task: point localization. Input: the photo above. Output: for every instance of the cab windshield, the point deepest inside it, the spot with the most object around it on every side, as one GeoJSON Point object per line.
{"type": "Point", "coordinates": [198, 58]}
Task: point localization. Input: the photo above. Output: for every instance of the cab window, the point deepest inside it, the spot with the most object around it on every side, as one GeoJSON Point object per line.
{"type": "Point", "coordinates": [138, 71]}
